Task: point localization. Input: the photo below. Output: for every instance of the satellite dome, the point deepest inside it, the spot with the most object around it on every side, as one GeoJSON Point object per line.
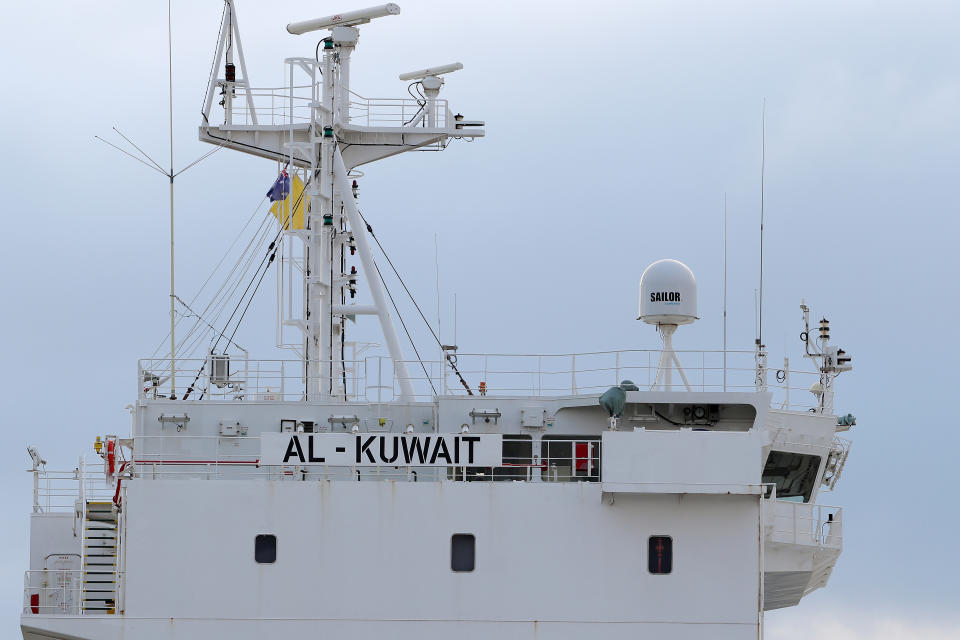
{"type": "Point", "coordinates": [668, 293]}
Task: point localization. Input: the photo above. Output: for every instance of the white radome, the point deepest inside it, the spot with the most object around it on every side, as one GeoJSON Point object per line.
{"type": "Point", "coordinates": [668, 293]}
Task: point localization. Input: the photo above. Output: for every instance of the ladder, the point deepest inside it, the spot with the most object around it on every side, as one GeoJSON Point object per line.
{"type": "Point", "coordinates": [100, 542]}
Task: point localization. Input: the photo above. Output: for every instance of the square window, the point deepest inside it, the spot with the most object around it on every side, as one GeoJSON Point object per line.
{"type": "Point", "coordinates": [265, 548]}
{"type": "Point", "coordinates": [660, 554]}
{"type": "Point", "coordinates": [463, 552]}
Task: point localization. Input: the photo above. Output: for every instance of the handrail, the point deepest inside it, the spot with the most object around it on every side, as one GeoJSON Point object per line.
{"type": "Point", "coordinates": [60, 592]}
{"type": "Point", "coordinates": [372, 378]}
{"type": "Point", "coordinates": [805, 523]}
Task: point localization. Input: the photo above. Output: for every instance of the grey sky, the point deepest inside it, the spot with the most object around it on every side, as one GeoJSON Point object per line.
{"type": "Point", "coordinates": [614, 130]}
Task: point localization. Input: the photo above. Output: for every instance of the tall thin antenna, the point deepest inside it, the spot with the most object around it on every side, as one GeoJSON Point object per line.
{"type": "Point", "coordinates": [171, 174]}
{"type": "Point", "coordinates": [724, 290]}
{"type": "Point", "coordinates": [173, 298]}
{"type": "Point", "coordinates": [763, 167]}
{"type": "Point", "coordinates": [436, 266]}
{"type": "Point", "coordinates": [756, 313]}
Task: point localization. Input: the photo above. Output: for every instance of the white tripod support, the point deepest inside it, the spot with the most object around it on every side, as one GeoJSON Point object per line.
{"type": "Point", "coordinates": [668, 360]}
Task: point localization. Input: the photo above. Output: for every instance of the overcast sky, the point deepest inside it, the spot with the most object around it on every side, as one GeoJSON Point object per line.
{"type": "Point", "coordinates": [614, 130]}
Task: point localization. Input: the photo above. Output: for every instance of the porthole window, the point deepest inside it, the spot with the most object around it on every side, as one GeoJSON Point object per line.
{"type": "Point", "coordinates": [660, 554]}
{"type": "Point", "coordinates": [265, 548]}
{"type": "Point", "coordinates": [463, 552]}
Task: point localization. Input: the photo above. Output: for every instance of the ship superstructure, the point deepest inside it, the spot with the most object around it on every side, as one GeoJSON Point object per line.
{"type": "Point", "coordinates": [622, 494]}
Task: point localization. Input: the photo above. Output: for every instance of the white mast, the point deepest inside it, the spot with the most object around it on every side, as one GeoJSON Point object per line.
{"type": "Point", "coordinates": [327, 144]}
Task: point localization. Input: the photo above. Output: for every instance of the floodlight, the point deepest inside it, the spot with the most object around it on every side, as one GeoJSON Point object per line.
{"type": "Point", "coordinates": [431, 71]}
{"type": "Point", "coordinates": [346, 19]}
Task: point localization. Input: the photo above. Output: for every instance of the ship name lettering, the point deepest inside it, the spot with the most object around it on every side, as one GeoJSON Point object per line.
{"type": "Point", "coordinates": [415, 449]}
{"type": "Point", "coordinates": [294, 442]}
{"type": "Point", "coordinates": [664, 296]}
{"type": "Point", "coordinates": [412, 445]}
{"type": "Point", "coordinates": [390, 449]}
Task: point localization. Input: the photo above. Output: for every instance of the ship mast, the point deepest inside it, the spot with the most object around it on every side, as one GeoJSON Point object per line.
{"type": "Point", "coordinates": [319, 138]}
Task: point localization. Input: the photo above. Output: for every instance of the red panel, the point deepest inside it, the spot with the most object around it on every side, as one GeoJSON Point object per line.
{"type": "Point", "coordinates": [35, 602]}
{"type": "Point", "coordinates": [582, 455]}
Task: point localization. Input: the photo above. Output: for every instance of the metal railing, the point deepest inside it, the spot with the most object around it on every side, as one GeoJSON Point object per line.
{"type": "Point", "coordinates": [805, 524]}
{"type": "Point", "coordinates": [65, 491]}
{"type": "Point", "coordinates": [393, 112]}
{"type": "Point", "coordinates": [283, 106]}
{"type": "Point", "coordinates": [372, 379]}
{"type": "Point", "coordinates": [60, 592]}
{"type": "Point", "coordinates": [52, 592]}
{"type": "Point", "coordinates": [274, 106]}
{"type": "Point", "coordinates": [249, 380]}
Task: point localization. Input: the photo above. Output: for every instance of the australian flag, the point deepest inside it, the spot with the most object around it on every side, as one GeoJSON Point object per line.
{"type": "Point", "coordinates": [280, 189]}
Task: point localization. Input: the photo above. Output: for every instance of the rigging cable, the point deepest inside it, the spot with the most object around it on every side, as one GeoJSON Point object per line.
{"type": "Point", "coordinates": [252, 295]}
{"type": "Point", "coordinates": [317, 56]}
{"type": "Point", "coordinates": [268, 258]}
{"type": "Point", "coordinates": [422, 103]}
{"type": "Point", "coordinates": [404, 325]}
{"type": "Point", "coordinates": [419, 310]}
{"type": "Point", "coordinates": [215, 269]}
{"type": "Point", "coordinates": [196, 315]}
{"type": "Point", "coordinates": [217, 304]}
{"type": "Point", "coordinates": [224, 295]}
{"type": "Point", "coordinates": [271, 253]}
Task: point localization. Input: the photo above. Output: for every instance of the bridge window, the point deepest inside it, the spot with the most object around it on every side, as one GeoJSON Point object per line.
{"type": "Point", "coordinates": [660, 554]}
{"type": "Point", "coordinates": [570, 459]}
{"type": "Point", "coordinates": [463, 552]}
{"type": "Point", "coordinates": [265, 548]}
{"type": "Point", "coordinates": [517, 460]}
{"type": "Point", "coordinates": [795, 474]}
{"type": "Point", "coordinates": [517, 457]}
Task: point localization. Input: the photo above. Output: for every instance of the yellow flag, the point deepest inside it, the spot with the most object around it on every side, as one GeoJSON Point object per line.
{"type": "Point", "coordinates": [281, 208]}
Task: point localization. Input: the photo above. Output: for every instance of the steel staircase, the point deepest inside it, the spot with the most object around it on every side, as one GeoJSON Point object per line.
{"type": "Point", "coordinates": [99, 591]}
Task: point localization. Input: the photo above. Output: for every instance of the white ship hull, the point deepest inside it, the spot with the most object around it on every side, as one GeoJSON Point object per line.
{"type": "Point", "coordinates": [357, 560]}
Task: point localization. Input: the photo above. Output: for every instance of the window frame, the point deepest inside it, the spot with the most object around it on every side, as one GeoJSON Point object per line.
{"type": "Point", "coordinates": [454, 556]}
{"type": "Point", "coordinates": [267, 538]}
{"type": "Point", "coordinates": [669, 553]}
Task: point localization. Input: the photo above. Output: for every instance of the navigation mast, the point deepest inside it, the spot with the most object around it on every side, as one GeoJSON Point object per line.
{"type": "Point", "coordinates": [318, 137]}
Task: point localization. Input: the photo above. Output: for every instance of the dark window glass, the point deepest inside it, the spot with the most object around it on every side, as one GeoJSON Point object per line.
{"type": "Point", "coordinates": [570, 459]}
{"type": "Point", "coordinates": [463, 552]}
{"type": "Point", "coordinates": [265, 548]}
{"type": "Point", "coordinates": [795, 474]}
{"type": "Point", "coordinates": [660, 554]}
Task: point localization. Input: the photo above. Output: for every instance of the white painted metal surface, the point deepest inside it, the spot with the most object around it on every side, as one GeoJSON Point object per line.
{"type": "Point", "coordinates": [287, 497]}
{"type": "Point", "coordinates": [668, 293]}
